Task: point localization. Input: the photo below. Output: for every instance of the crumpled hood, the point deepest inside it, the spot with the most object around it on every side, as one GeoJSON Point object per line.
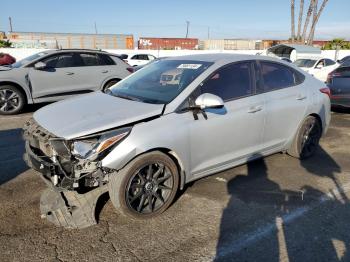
{"type": "Point", "coordinates": [92, 113]}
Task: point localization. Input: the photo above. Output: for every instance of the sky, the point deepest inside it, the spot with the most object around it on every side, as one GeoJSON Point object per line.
{"type": "Point", "coordinates": [254, 19]}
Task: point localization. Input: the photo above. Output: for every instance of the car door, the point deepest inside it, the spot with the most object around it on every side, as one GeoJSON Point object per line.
{"type": "Point", "coordinates": [58, 79]}
{"type": "Point", "coordinates": [224, 136]}
{"type": "Point", "coordinates": [96, 69]}
{"type": "Point", "coordinates": [286, 99]}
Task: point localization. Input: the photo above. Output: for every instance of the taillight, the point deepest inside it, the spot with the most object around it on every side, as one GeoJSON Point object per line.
{"type": "Point", "coordinates": [130, 69]}
{"type": "Point", "coordinates": [326, 91]}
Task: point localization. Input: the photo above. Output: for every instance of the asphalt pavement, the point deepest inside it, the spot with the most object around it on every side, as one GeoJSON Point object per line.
{"type": "Point", "coordinates": [273, 209]}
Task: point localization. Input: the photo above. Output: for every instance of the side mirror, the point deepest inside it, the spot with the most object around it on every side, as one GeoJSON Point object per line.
{"type": "Point", "coordinates": [123, 56]}
{"type": "Point", "coordinates": [40, 66]}
{"type": "Point", "coordinates": [207, 100]}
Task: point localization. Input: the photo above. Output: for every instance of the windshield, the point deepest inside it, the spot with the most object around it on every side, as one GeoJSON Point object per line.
{"type": "Point", "coordinates": [28, 60]}
{"type": "Point", "coordinates": [159, 82]}
{"type": "Point", "coordinates": [305, 62]}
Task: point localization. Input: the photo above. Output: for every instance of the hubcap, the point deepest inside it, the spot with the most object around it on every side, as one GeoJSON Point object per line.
{"type": "Point", "coordinates": [9, 100]}
{"type": "Point", "coordinates": [149, 188]}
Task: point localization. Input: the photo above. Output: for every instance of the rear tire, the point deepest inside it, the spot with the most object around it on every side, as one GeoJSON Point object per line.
{"type": "Point", "coordinates": [146, 187]}
{"type": "Point", "coordinates": [12, 100]}
{"type": "Point", "coordinates": [306, 141]}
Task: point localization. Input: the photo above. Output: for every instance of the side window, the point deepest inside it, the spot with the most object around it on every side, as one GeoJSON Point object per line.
{"type": "Point", "coordinates": [90, 59]}
{"type": "Point", "coordinates": [143, 57]}
{"type": "Point", "coordinates": [106, 60]}
{"type": "Point", "coordinates": [68, 60]}
{"type": "Point", "coordinates": [230, 82]}
{"type": "Point", "coordinates": [277, 76]}
{"type": "Point", "coordinates": [329, 62]}
{"type": "Point", "coordinates": [50, 61]}
{"type": "Point", "coordinates": [136, 57]}
{"type": "Point", "coordinates": [320, 64]}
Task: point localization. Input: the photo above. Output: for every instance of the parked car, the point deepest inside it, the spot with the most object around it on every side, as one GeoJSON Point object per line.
{"type": "Point", "coordinates": [95, 143]}
{"type": "Point", "coordinates": [339, 83]}
{"type": "Point", "coordinates": [344, 60]}
{"type": "Point", "coordinates": [319, 68]}
{"type": "Point", "coordinates": [138, 59]}
{"type": "Point", "coordinates": [57, 74]}
{"type": "Point", "coordinates": [6, 59]}
{"type": "Point", "coordinates": [136, 68]}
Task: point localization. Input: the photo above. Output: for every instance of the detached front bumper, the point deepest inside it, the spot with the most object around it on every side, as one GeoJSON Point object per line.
{"type": "Point", "coordinates": [60, 205]}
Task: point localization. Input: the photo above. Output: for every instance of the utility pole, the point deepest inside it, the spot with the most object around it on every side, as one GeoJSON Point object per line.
{"type": "Point", "coordinates": [10, 21]}
{"type": "Point", "coordinates": [187, 26]}
{"type": "Point", "coordinates": [95, 28]}
{"type": "Point", "coordinates": [208, 32]}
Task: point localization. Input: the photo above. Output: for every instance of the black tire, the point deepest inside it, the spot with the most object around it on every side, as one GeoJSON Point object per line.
{"type": "Point", "coordinates": [306, 141]}
{"type": "Point", "coordinates": [109, 84]}
{"type": "Point", "coordinates": [151, 178]}
{"type": "Point", "coordinates": [12, 100]}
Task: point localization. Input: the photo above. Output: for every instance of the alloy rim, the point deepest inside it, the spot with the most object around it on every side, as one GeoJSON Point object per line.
{"type": "Point", "coordinates": [149, 188]}
{"type": "Point", "coordinates": [9, 100]}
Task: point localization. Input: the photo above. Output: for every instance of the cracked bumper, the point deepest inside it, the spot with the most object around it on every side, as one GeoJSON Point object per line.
{"type": "Point", "coordinates": [69, 209]}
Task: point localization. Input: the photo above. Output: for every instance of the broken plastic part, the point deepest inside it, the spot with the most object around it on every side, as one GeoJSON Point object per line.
{"type": "Point", "coordinates": [70, 209]}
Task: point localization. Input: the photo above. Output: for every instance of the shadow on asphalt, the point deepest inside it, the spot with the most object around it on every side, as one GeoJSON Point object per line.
{"type": "Point", "coordinates": [341, 110]}
{"type": "Point", "coordinates": [32, 108]}
{"type": "Point", "coordinates": [11, 154]}
{"type": "Point", "coordinates": [305, 239]}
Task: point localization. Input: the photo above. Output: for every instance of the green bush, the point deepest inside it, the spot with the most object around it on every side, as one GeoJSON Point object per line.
{"type": "Point", "coordinates": [4, 43]}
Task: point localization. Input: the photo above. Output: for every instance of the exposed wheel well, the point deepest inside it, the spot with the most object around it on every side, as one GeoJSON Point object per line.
{"type": "Point", "coordinates": [20, 88]}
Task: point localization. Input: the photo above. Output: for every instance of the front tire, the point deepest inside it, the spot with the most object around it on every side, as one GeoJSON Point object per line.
{"type": "Point", "coordinates": [306, 141]}
{"type": "Point", "coordinates": [12, 100]}
{"type": "Point", "coordinates": [145, 187]}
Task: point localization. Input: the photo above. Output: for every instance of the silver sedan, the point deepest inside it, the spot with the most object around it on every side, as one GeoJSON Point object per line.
{"type": "Point", "coordinates": [172, 122]}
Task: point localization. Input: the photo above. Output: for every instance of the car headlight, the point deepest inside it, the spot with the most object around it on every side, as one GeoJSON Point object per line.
{"type": "Point", "coordinates": [95, 146]}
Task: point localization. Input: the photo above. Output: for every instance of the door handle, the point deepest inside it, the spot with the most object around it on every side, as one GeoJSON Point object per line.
{"type": "Point", "coordinates": [301, 97]}
{"type": "Point", "coordinates": [254, 109]}
{"type": "Point", "coordinates": [69, 73]}
{"type": "Point", "coordinates": [105, 71]}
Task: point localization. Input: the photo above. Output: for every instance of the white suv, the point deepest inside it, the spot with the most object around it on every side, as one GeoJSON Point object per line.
{"type": "Point", "coordinates": [138, 59]}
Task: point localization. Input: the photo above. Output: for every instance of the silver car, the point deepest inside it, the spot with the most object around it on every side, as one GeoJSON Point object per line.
{"type": "Point", "coordinates": [146, 138]}
{"type": "Point", "coordinates": [57, 74]}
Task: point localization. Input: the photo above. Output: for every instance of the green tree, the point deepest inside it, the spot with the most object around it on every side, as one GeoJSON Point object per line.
{"type": "Point", "coordinates": [4, 44]}
{"type": "Point", "coordinates": [337, 43]}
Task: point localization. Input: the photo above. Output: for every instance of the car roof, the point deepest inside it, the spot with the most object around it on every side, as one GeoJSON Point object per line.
{"type": "Point", "coordinates": [53, 51]}
{"type": "Point", "coordinates": [220, 57]}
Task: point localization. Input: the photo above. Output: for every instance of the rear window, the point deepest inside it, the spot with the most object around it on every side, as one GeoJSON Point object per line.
{"type": "Point", "coordinates": [305, 63]}
{"type": "Point", "coordinates": [343, 71]}
{"type": "Point", "coordinates": [277, 76]}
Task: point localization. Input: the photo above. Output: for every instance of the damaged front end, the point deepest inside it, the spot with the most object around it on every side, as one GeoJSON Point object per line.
{"type": "Point", "coordinates": [72, 169]}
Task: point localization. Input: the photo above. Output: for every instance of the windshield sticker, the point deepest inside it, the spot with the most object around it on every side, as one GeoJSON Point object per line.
{"type": "Point", "coordinates": [190, 66]}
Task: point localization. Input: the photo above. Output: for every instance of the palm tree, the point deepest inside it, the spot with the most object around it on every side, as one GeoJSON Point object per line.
{"type": "Point", "coordinates": [300, 20]}
{"type": "Point", "coordinates": [307, 20]}
{"type": "Point", "coordinates": [315, 21]}
{"type": "Point", "coordinates": [292, 5]}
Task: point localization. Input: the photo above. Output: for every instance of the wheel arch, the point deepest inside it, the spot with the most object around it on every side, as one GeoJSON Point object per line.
{"type": "Point", "coordinates": [107, 81]}
{"type": "Point", "coordinates": [319, 119]}
{"type": "Point", "coordinates": [20, 87]}
{"type": "Point", "coordinates": [170, 153]}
